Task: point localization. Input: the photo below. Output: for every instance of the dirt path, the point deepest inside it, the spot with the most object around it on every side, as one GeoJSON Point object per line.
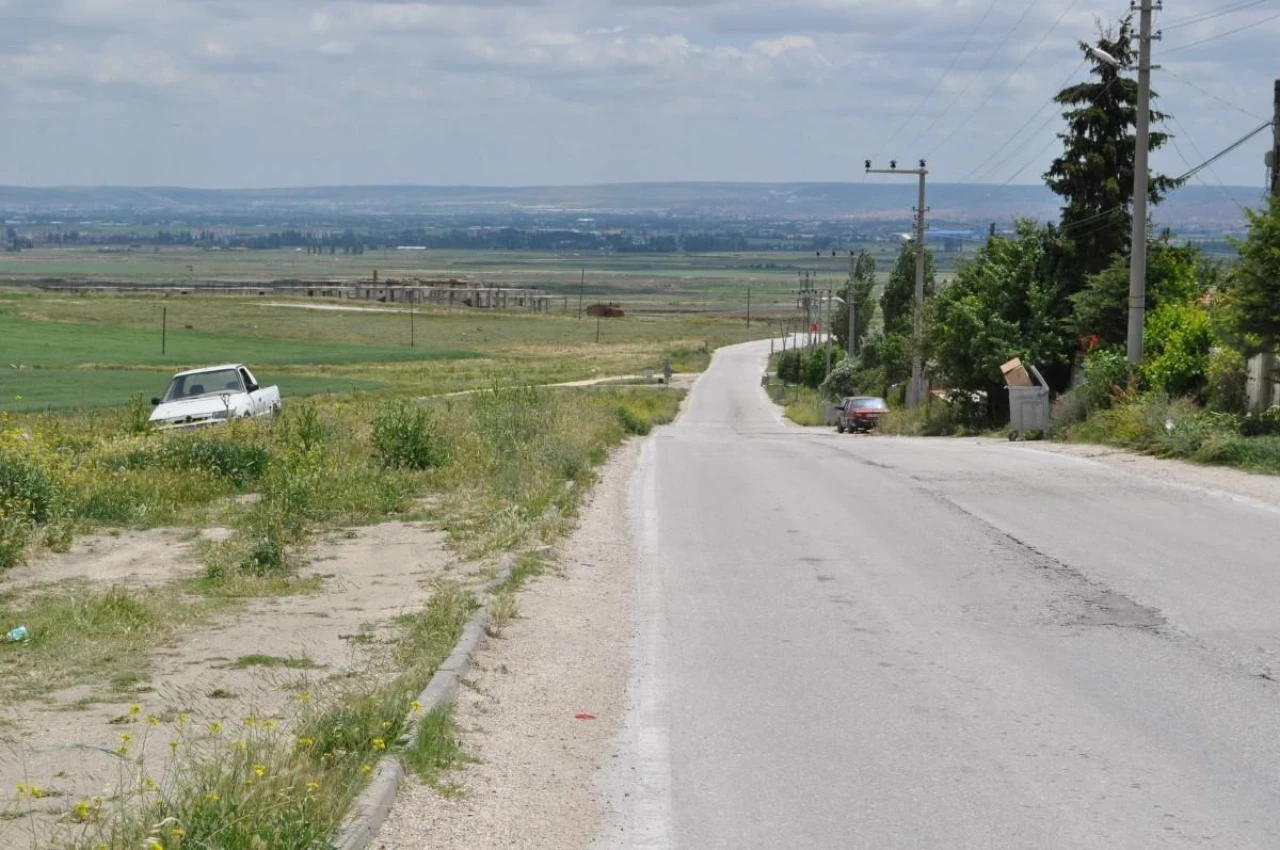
{"type": "Point", "coordinates": [255, 663]}
{"type": "Point", "coordinates": [546, 703]}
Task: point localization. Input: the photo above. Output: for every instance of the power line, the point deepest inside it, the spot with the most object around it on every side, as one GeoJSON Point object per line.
{"type": "Point", "coordinates": [1174, 141]}
{"type": "Point", "coordinates": [1208, 93]}
{"type": "Point", "coordinates": [1221, 35]}
{"type": "Point", "coordinates": [954, 59]}
{"type": "Point", "coordinates": [1209, 16]}
{"type": "Point", "coordinates": [1046, 123]}
{"type": "Point", "coordinates": [1220, 154]}
{"type": "Point", "coordinates": [992, 55]}
{"type": "Point", "coordinates": [1003, 82]}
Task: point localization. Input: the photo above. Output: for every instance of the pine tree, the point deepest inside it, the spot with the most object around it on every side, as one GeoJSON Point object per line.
{"type": "Point", "coordinates": [1094, 174]}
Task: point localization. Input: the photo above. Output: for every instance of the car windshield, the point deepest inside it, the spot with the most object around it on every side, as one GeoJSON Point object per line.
{"type": "Point", "coordinates": [204, 383]}
{"type": "Point", "coordinates": [864, 403]}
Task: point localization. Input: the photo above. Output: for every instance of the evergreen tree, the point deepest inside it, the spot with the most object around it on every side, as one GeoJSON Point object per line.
{"type": "Point", "coordinates": [1094, 174]}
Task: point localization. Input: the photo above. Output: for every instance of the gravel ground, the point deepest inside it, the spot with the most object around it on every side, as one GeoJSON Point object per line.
{"type": "Point", "coordinates": [534, 785]}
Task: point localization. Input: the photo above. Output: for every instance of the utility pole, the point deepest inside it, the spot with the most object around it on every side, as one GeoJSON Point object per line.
{"type": "Point", "coordinates": [831, 317]}
{"type": "Point", "coordinates": [851, 302]}
{"type": "Point", "coordinates": [1138, 240]}
{"type": "Point", "coordinates": [411, 299]}
{"type": "Point", "coordinates": [748, 306]}
{"type": "Point", "coordinates": [1267, 361]}
{"type": "Point", "coordinates": [1274, 161]}
{"type": "Point", "coordinates": [582, 288]}
{"type": "Point", "coordinates": [915, 392]}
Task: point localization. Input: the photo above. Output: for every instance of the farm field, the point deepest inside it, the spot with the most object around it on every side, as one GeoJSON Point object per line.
{"type": "Point", "coordinates": [88, 351]}
{"type": "Point", "coordinates": [716, 282]}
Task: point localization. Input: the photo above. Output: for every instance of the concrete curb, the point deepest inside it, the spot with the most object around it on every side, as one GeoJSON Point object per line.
{"type": "Point", "coordinates": [374, 803]}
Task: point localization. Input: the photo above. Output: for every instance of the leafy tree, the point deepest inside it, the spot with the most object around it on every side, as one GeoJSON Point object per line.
{"type": "Point", "coordinates": [1094, 174]}
{"type": "Point", "coordinates": [863, 285]}
{"type": "Point", "coordinates": [1101, 308]}
{"type": "Point", "coordinates": [885, 360]}
{"type": "Point", "coordinates": [1253, 286]}
{"type": "Point", "coordinates": [897, 302]}
{"type": "Point", "coordinates": [1004, 304]}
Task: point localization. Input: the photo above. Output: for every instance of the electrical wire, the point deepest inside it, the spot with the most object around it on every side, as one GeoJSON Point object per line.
{"type": "Point", "coordinates": [1209, 16]}
{"type": "Point", "coordinates": [954, 59]}
{"type": "Point", "coordinates": [992, 55]}
{"type": "Point", "coordinates": [1046, 123]}
{"type": "Point", "coordinates": [1208, 93]}
{"type": "Point", "coordinates": [983, 165]}
{"type": "Point", "coordinates": [1174, 141]}
{"type": "Point", "coordinates": [1220, 154]}
{"type": "Point", "coordinates": [1220, 35]}
{"type": "Point", "coordinates": [965, 121]}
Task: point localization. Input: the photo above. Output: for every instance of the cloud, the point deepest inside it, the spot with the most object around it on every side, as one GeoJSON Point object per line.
{"type": "Point", "coordinates": [270, 92]}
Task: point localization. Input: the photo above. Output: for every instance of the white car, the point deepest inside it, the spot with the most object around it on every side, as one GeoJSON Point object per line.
{"type": "Point", "coordinates": [212, 395]}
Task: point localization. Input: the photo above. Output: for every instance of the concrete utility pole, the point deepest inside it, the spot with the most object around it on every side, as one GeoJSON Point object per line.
{"type": "Point", "coordinates": [1274, 162]}
{"type": "Point", "coordinates": [915, 392]}
{"type": "Point", "coordinates": [851, 302]}
{"type": "Point", "coordinates": [1266, 363]}
{"type": "Point", "coordinates": [1138, 247]}
{"type": "Point", "coordinates": [582, 291]}
{"type": "Point", "coordinates": [831, 321]}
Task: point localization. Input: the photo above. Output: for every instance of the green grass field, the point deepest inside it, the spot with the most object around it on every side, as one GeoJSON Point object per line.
{"type": "Point", "coordinates": [67, 351]}
{"type": "Point", "coordinates": [46, 389]}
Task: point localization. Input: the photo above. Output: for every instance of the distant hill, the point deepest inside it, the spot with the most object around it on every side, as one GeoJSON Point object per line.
{"type": "Point", "coordinates": [1198, 209]}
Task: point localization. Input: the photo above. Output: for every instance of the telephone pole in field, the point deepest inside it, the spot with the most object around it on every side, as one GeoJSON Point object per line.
{"type": "Point", "coordinates": [915, 392]}
{"type": "Point", "coordinates": [851, 302]}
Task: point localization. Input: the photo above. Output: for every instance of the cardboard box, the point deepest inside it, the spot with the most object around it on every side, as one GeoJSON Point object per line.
{"type": "Point", "coordinates": [1015, 375]}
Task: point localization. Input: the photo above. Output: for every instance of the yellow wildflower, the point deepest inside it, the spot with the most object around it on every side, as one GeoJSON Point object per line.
{"type": "Point", "coordinates": [250, 720]}
{"type": "Point", "coordinates": [313, 786]}
{"type": "Point", "coordinates": [212, 798]}
{"type": "Point", "coordinates": [153, 721]}
{"type": "Point", "coordinates": [135, 710]}
{"type": "Point", "coordinates": [177, 832]}
{"type": "Point", "coordinates": [308, 743]}
{"type": "Point", "coordinates": [368, 768]}
{"type": "Point", "coordinates": [379, 744]}
{"type": "Point", "coordinates": [260, 770]}
{"type": "Point", "coordinates": [215, 728]}
{"type": "Point", "coordinates": [386, 724]}
{"type": "Point", "coordinates": [416, 706]}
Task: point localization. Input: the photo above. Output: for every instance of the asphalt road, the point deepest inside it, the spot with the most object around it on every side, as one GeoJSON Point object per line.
{"type": "Point", "coordinates": [869, 642]}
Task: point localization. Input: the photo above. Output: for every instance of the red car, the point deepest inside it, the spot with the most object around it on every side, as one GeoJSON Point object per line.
{"type": "Point", "coordinates": [860, 413]}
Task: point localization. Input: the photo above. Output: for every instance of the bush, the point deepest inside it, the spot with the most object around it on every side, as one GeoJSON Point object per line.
{"type": "Point", "coordinates": [15, 532]}
{"type": "Point", "coordinates": [405, 437]}
{"type": "Point", "coordinates": [1264, 424]}
{"type": "Point", "coordinates": [26, 489]}
{"type": "Point", "coordinates": [235, 458]}
{"type": "Point", "coordinates": [1227, 380]}
{"type": "Point", "coordinates": [137, 416]}
{"type": "Point", "coordinates": [1106, 371]}
{"type": "Point", "coordinates": [790, 366]}
{"type": "Point", "coordinates": [1178, 343]}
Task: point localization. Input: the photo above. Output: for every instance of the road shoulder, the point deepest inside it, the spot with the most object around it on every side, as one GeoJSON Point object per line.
{"type": "Point", "coordinates": [544, 707]}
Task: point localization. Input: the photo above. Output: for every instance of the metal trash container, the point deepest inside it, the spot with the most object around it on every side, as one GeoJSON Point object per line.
{"type": "Point", "coordinates": [1029, 408]}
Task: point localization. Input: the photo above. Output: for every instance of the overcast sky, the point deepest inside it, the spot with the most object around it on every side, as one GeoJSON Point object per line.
{"type": "Point", "coordinates": [254, 93]}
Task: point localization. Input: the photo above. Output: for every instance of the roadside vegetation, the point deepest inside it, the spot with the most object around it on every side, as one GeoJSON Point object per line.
{"type": "Point", "coordinates": [1056, 296]}
{"type": "Point", "coordinates": [503, 469]}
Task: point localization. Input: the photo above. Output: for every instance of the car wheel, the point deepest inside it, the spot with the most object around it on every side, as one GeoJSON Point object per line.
{"type": "Point", "coordinates": [839, 428]}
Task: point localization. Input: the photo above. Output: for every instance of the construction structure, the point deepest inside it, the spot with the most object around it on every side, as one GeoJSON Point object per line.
{"type": "Point", "coordinates": [446, 293]}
